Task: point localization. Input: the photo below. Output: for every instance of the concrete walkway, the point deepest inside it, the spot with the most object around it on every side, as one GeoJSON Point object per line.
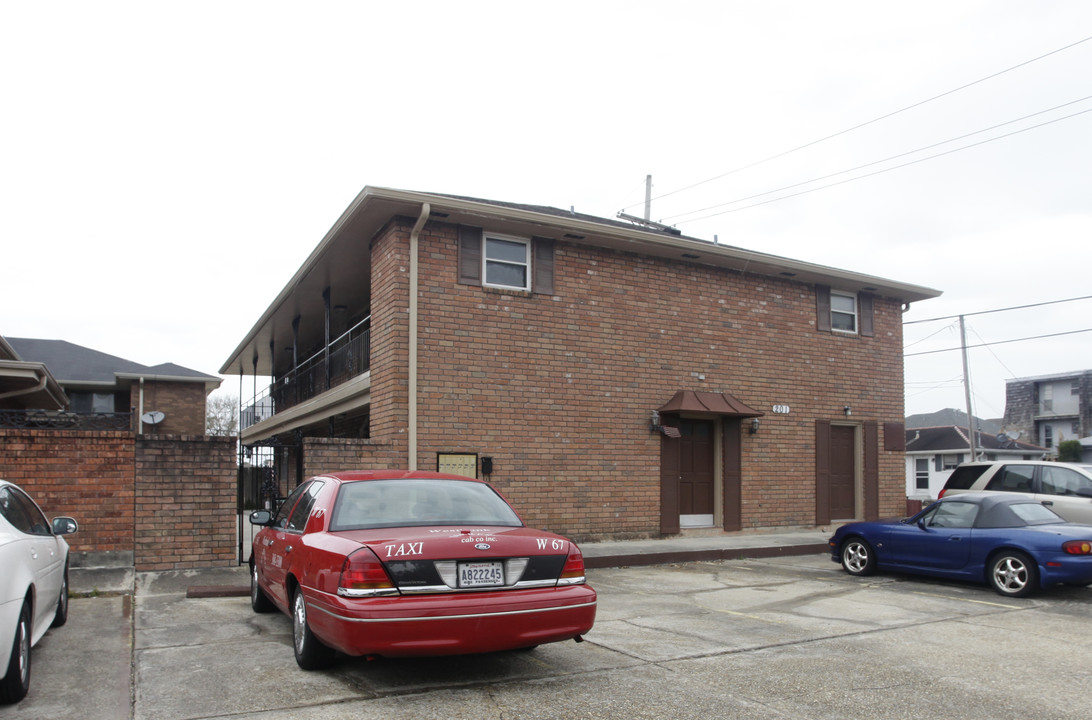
{"type": "Point", "coordinates": [615, 553]}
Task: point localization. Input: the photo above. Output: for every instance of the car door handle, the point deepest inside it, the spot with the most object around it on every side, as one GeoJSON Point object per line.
{"type": "Point", "coordinates": [1048, 503]}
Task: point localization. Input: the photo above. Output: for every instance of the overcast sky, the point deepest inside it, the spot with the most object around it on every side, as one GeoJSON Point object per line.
{"type": "Point", "coordinates": [167, 166]}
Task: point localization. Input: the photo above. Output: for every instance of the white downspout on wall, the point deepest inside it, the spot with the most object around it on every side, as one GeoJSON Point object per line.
{"type": "Point", "coordinates": [412, 419]}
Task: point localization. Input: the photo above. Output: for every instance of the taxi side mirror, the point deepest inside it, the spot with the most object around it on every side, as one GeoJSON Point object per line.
{"type": "Point", "coordinates": [261, 517]}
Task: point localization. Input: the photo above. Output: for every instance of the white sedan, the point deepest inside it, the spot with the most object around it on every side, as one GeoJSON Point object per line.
{"type": "Point", "coordinates": [33, 584]}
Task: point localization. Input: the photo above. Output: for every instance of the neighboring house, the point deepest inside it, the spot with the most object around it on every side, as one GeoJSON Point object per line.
{"type": "Point", "coordinates": [1049, 409]}
{"type": "Point", "coordinates": [933, 452]}
{"type": "Point", "coordinates": [104, 391]}
{"type": "Point", "coordinates": [612, 379]}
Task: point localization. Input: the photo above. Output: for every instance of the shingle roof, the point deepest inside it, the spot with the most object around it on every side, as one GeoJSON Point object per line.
{"type": "Point", "coordinates": [954, 438]}
{"type": "Point", "coordinates": [71, 363]}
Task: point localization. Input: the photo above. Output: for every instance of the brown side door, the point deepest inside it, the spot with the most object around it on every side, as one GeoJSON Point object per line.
{"type": "Point", "coordinates": [843, 473]}
{"type": "Point", "coordinates": [696, 467]}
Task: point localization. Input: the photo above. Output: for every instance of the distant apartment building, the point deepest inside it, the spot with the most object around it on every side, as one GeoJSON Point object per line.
{"type": "Point", "coordinates": [1049, 409]}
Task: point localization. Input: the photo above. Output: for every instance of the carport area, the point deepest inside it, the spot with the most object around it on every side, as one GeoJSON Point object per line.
{"type": "Point", "coordinates": [783, 637]}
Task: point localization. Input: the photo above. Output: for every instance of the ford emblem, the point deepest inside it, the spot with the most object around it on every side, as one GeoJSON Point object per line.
{"type": "Point", "coordinates": [482, 546]}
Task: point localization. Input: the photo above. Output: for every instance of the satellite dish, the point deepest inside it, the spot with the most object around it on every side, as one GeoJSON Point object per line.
{"type": "Point", "coordinates": [153, 417]}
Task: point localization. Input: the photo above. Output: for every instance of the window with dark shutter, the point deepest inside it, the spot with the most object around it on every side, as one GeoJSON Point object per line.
{"type": "Point", "coordinates": [844, 312]}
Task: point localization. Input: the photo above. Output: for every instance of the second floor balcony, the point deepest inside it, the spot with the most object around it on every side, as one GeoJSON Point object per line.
{"type": "Point", "coordinates": [345, 358]}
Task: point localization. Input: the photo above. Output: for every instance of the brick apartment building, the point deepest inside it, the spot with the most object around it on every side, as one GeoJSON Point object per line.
{"type": "Point", "coordinates": [611, 379]}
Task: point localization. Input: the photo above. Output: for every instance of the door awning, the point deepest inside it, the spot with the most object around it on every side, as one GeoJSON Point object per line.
{"type": "Point", "coordinates": [710, 403]}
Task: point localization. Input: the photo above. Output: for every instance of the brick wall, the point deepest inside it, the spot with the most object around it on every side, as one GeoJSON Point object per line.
{"type": "Point", "coordinates": [87, 475]}
{"type": "Point", "coordinates": [154, 502]}
{"type": "Point", "coordinates": [559, 389]}
{"type": "Point", "coordinates": [326, 455]}
{"type": "Point", "coordinates": [185, 502]}
{"type": "Point", "coordinates": [182, 403]}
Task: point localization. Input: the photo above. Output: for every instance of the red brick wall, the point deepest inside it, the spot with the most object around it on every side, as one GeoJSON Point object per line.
{"type": "Point", "coordinates": [390, 323]}
{"type": "Point", "coordinates": [86, 475]}
{"type": "Point", "coordinates": [166, 502]}
{"type": "Point", "coordinates": [182, 403]}
{"type": "Point", "coordinates": [185, 502]}
{"type": "Point", "coordinates": [559, 389]}
{"type": "Point", "coordinates": [326, 455]}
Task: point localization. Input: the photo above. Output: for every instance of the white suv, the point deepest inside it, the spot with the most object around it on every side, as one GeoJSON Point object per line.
{"type": "Point", "coordinates": [1064, 488]}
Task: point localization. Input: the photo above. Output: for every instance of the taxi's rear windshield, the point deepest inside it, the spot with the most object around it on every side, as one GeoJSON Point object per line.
{"type": "Point", "coordinates": [418, 502]}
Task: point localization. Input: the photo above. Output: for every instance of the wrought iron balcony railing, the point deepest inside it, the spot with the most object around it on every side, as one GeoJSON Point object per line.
{"type": "Point", "coordinates": [348, 356]}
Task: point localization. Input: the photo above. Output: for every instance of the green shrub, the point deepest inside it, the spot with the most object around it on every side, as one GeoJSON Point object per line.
{"type": "Point", "coordinates": [1069, 451]}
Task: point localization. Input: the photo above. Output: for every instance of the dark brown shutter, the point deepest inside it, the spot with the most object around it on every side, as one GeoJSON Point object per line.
{"type": "Point", "coordinates": [822, 308]}
{"type": "Point", "coordinates": [894, 437]}
{"type": "Point", "coordinates": [733, 474]}
{"type": "Point", "coordinates": [543, 279]}
{"type": "Point", "coordinates": [669, 485]}
{"type": "Point", "coordinates": [864, 314]}
{"type": "Point", "coordinates": [822, 471]}
{"type": "Point", "coordinates": [872, 470]}
{"type": "Point", "coordinates": [470, 255]}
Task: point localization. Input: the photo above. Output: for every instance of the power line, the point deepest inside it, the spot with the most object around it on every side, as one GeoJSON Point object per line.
{"type": "Point", "coordinates": [987, 312]}
{"type": "Point", "coordinates": [999, 342]}
{"type": "Point", "coordinates": [894, 167]}
{"type": "Point", "coordinates": [877, 162]}
{"type": "Point", "coordinates": [869, 122]}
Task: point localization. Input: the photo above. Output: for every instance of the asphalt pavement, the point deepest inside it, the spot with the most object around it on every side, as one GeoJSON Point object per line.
{"type": "Point", "coordinates": [778, 635]}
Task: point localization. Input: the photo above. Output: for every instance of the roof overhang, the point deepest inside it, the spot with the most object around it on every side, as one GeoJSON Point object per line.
{"type": "Point", "coordinates": [30, 386]}
{"type": "Point", "coordinates": [342, 259]}
{"type": "Point", "coordinates": [210, 383]}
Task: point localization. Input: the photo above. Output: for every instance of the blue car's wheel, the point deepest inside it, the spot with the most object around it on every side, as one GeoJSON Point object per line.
{"type": "Point", "coordinates": [1013, 574]}
{"type": "Point", "coordinates": [858, 558]}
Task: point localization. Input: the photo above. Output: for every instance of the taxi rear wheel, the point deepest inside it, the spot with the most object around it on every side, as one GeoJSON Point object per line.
{"type": "Point", "coordinates": [311, 654]}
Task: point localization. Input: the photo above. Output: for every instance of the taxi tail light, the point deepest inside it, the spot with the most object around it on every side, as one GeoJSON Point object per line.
{"type": "Point", "coordinates": [941, 494]}
{"type": "Point", "coordinates": [362, 573]}
{"type": "Point", "coordinates": [1078, 547]}
{"type": "Point", "coordinates": [573, 572]}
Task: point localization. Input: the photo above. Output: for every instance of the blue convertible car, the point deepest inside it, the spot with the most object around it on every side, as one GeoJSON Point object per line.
{"type": "Point", "coordinates": [1012, 542]}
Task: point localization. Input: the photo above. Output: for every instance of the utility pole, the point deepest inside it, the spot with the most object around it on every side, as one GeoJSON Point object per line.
{"type": "Point", "coordinates": [971, 429]}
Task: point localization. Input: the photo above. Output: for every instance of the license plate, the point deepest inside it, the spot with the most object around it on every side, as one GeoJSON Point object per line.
{"type": "Point", "coordinates": [482, 574]}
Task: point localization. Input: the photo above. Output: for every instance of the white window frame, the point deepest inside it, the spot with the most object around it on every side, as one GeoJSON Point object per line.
{"type": "Point", "coordinates": [526, 265]}
{"type": "Point", "coordinates": [843, 313]}
{"type": "Point", "coordinates": [921, 473]}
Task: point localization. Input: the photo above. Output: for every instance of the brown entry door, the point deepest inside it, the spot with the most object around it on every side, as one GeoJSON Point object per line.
{"type": "Point", "coordinates": [843, 473]}
{"type": "Point", "coordinates": [696, 472]}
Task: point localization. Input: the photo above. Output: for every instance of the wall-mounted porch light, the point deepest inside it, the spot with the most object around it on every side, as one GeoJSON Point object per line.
{"type": "Point", "coordinates": [847, 410]}
{"type": "Point", "coordinates": [754, 426]}
{"type": "Point", "coordinates": [654, 422]}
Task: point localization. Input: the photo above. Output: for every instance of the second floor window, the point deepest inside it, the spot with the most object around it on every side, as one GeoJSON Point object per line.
{"type": "Point", "coordinates": [507, 262]}
{"type": "Point", "coordinates": [843, 312]}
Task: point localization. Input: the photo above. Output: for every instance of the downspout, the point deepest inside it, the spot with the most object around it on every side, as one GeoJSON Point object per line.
{"type": "Point", "coordinates": [140, 409]}
{"type": "Point", "coordinates": [413, 282]}
{"type": "Point", "coordinates": [26, 391]}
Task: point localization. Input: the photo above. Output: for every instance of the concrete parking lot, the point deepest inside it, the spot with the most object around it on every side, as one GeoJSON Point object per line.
{"type": "Point", "coordinates": [787, 637]}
